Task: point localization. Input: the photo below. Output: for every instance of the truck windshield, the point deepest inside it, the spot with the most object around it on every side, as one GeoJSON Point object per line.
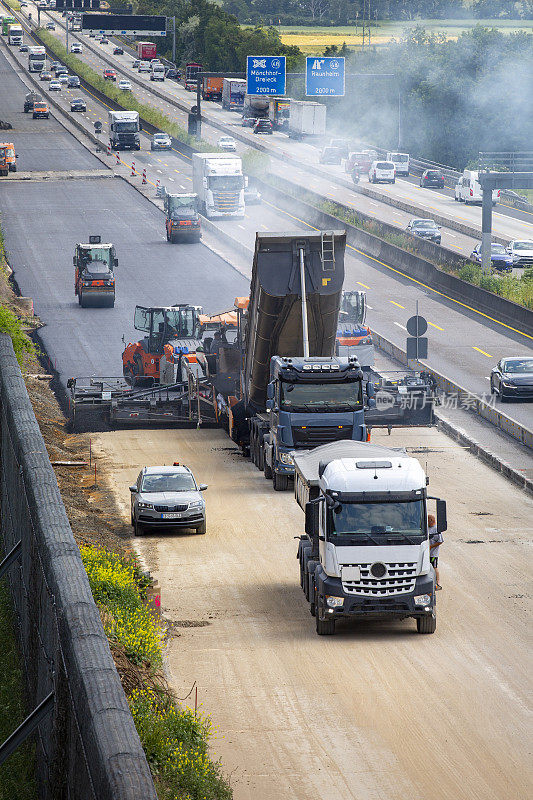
{"type": "Point", "coordinates": [183, 322]}
{"type": "Point", "coordinates": [321, 396]}
{"type": "Point", "coordinates": [226, 183]}
{"type": "Point", "coordinates": [377, 519]}
{"type": "Point", "coordinates": [126, 127]}
{"type": "Point", "coordinates": [91, 254]}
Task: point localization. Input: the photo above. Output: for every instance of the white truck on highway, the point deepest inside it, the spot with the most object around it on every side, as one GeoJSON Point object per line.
{"type": "Point", "coordinates": [36, 59]}
{"type": "Point", "coordinates": [219, 183]}
{"type": "Point", "coordinates": [124, 130]}
{"type": "Point", "coordinates": [15, 35]}
{"type": "Point", "coordinates": [365, 551]}
{"type": "Point", "coordinates": [306, 118]}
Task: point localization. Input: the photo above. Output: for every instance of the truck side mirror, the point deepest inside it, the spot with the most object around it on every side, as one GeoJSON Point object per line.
{"type": "Point", "coordinates": [269, 405]}
{"type": "Point", "coordinates": [116, 262]}
{"type": "Point", "coordinates": [311, 520]}
{"type": "Point", "coordinates": [370, 389]}
{"type": "Point", "coordinates": [442, 522]}
{"type": "Point", "coordinates": [270, 391]}
{"type": "Point", "coordinates": [74, 260]}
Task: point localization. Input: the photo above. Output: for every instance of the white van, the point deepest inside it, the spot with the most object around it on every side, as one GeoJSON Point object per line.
{"type": "Point", "coordinates": [400, 161]}
{"type": "Point", "coordinates": [157, 72]}
{"type": "Point", "coordinates": [468, 189]}
{"type": "Point", "coordinates": [382, 171]}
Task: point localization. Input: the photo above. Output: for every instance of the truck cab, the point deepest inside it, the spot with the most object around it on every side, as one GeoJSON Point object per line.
{"type": "Point", "coordinates": [11, 156]}
{"type": "Point", "coordinates": [365, 552]}
{"type": "Point", "coordinates": [124, 130]}
{"type": "Point", "coordinates": [182, 217]}
{"type": "Point", "coordinates": [94, 273]}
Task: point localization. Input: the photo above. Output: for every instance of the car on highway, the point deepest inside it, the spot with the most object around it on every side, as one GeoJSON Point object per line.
{"type": "Point", "coordinates": [75, 47]}
{"type": "Point", "coordinates": [227, 143]}
{"type": "Point", "coordinates": [73, 82]}
{"type": "Point", "coordinates": [252, 196]}
{"type": "Point", "coordinates": [45, 76]}
{"type": "Point", "coordinates": [124, 86]}
{"type": "Point", "coordinates": [23, 48]}
{"type": "Point", "coordinates": [433, 178]}
{"type": "Point", "coordinates": [161, 141]}
{"type": "Point", "coordinates": [118, 51]}
{"type": "Point", "coordinates": [500, 259]}
{"type": "Point", "coordinates": [104, 40]}
{"type": "Point", "coordinates": [425, 229]}
{"type": "Point", "coordinates": [135, 63]}
{"type": "Point", "coordinates": [167, 497]}
{"type": "Point", "coordinates": [61, 70]}
{"type": "Point", "coordinates": [50, 26]}
{"type": "Point", "coordinates": [40, 110]}
{"type": "Point", "coordinates": [382, 171]}
{"type": "Point", "coordinates": [63, 79]}
{"type": "Point", "coordinates": [78, 104]}
{"type": "Point", "coordinates": [522, 252]}
{"type": "Point", "coordinates": [263, 126]}
{"type": "Point", "coordinates": [92, 35]}
{"type": "Point", "coordinates": [54, 86]}
{"type": "Point", "coordinates": [173, 74]}
{"type": "Point", "coordinates": [143, 67]}
{"type": "Point", "coordinates": [513, 378]}
{"type": "Point", "coordinates": [54, 65]}
{"type": "Point", "coordinates": [342, 145]}
{"type": "Point", "coordinates": [248, 122]}
{"type": "Point", "coordinates": [329, 155]}
{"type": "Point", "coordinates": [109, 74]}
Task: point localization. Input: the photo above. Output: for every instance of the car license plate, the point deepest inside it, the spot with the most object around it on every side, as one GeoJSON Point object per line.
{"type": "Point", "coordinates": [170, 516]}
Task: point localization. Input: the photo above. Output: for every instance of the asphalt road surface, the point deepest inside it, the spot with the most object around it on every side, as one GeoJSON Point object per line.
{"type": "Point", "coordinates": [151, 272]}
{"type": "Point", "coordinates": [42, 144]}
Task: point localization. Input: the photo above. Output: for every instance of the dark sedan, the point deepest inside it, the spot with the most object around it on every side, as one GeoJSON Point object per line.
{"type": "Point", "coordinates": [433, 178]}
{"type": "Point", "coordinates": [263, 126]}
{"type": "Point", "coordinates": [500, 259]}
{"type": "Point", "coordinates": [425, 229]}
{"type": "Point", "coordinates": [329, 155]}
{"type": "Point", "coordinates": [513, 377]}
{"type": "Point", "coordinates": [77, 104]}
{"type": "Point", "coordinates": [118, 51]}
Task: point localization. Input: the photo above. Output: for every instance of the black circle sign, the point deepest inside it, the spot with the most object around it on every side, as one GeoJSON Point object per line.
{"type": "Point", "coordinates": [417, 325]}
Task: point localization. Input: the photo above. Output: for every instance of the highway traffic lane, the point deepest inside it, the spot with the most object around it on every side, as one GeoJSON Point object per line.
{"type": "Point", "coordinates": [354, 715]}
{"type": "Point", "coordinates": [151, 271]}
{"type": "Point", "coordinates": [41, 144]}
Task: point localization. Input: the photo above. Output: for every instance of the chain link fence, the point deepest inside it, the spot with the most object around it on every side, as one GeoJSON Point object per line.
{"type": "Point", "coordinates": [87, 746]}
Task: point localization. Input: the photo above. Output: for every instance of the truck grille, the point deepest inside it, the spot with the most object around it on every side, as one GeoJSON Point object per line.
{"type": "Point", "coordinates": [313, 436]}
{"type": "Point", "coordinates": [226, 201]}
{"type": "Point", "coordinates": [171, 508]}
{"type": "Point", "coordinates": [399, 579]}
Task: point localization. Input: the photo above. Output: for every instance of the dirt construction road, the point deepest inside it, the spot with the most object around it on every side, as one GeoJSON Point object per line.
{"type": "Point", "coordinates": [376, 712]}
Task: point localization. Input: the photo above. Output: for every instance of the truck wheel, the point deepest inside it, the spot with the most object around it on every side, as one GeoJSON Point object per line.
{"type": "Point", "coordinates": [280, 482]}
{"type": "Point", "coordinates": [267, 470]}
{"type": "Point", "coordinates": [426, 624]}
{"type": "Point", "coordinates": [201, 528]}
{"type": "Point", "coordinates": [324, 627]}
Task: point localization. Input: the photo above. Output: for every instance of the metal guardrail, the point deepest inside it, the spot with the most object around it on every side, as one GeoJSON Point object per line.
{"type": "Point", "coordinates": [87, 745]}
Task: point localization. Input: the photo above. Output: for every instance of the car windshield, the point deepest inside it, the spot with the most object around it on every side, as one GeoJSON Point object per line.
{"type": "Point", "coordinates": [377, 518]}
{"type": "Point", "coordinates": [518, 366]}
{"type": "Point", "coordinates": [226, 140]}
{"type": "Point", "coordinates": [523, 246]}
{"type": "Point", "coordinates": [168, 482]}
{"type": "Point", "coordinates": [159, 137]}
{"type": "Point", "coordinates": [384, 165]}
{"type": "Point", "coordinates": [423, 223]}
{"type": "Point", "coordinates": [326, 396]}
{"type": "Point", "coordinates": [499, 249]}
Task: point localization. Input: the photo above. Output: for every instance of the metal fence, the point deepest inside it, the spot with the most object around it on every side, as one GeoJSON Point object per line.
{"type": "Point", "coordinates": [87, 745]}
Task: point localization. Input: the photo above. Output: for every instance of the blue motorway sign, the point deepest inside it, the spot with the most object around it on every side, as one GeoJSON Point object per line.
{"type": "Point", "coordinates": [265, 75]}
{"type": "Point", "coordinates": [324, 77]}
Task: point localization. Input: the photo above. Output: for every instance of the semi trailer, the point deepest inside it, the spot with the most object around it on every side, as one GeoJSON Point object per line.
{"type": "Point", "coordinates": [365, 550]}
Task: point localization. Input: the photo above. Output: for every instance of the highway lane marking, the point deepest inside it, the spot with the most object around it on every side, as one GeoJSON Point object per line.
{"type": "Point", "coordinates": [435, 291]}
{"type": "Point", "coordinates": [482, 352]}
{"type": "Point", "coordinates": [400, 326]}
{"type": "Point", "coordinates": [242, 226]}
{"type": "Point", "coordinates": [435, 326]}
{"type": "Point", "coordinates": [452, 235]}
{"type": "Point", "coordinates": [291, 216]}
{"type": "Point", "coordinates": [394, 303]}
{"type": "Point", "coordinates": [363, 285]}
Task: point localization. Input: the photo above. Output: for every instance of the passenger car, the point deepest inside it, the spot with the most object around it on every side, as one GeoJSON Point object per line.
{"type": "Point", "coordinates": [54, 86]}
{"type": "Point", "coordinates": [342, 145]}
{"type": "Point", "coordinates": [513, 377]}
{"type": "Point", "coordinates": [382, 171]}
{"type": "Point", "coordinates": [329, 155]}
{"type": "Point", "coordinates": [50, 26]}
{"type": "Point", "coordinates": [23, 48]}
{"type": "Point", "coordinates": [167, 497]}
{"type": "Point", "coordinates": [118, 51]}
{"type": "Point", "coordinates": [110, 74]}
{"type": "Point", "coordinates": [104, 40]}
{"type": "Point", "coordinates": [500, 259]}
{"type": "Point", "coordinates": [432, 177]}
{"type": "Point", "coordinates": [161, 141]}
{"type": "Point", "coordinates": [252, 195]}
{"type": "Point", "coordinates": [45, 76]}
{"type": "Point", "coordinates": [263, 126]}
{"type": "Point", "coordinates": [522, 252]}
{"type": "Point", "coordinates": [172, 74]}
{"type": "Point", "coordinates": [73, 82]}
{"type": "Point", "coordinates": [425, 229]}
{"type": "Point", "coordinates": [63, 79]}
{"type": "Point", "coordinates": [248, 122]}
{"type": "Point", "coordinates": [75, 47]}
{"type": "Point", "coordinates": [78, 104]}
{"type": "Point", "coordinates": [227, 143]}
{"type": "Point", "coordinates": [124, 86]}
{"type": "Point", "coordinates": [135, 63]}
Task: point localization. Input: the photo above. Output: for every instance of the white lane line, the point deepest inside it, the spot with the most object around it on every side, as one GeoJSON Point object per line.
{"type": "Point", "coordinates": [452, 235]}
{"type": "Point", "coordinates": [401, 326]}
{"type": "Point", "coordinates": [372, 204]}
{"type": "Point", "coordinates": [369, 307]}
{"type": "Point", "coordinates": [171, 179]}
{"type": "Point", "coordinates": [242, 226]}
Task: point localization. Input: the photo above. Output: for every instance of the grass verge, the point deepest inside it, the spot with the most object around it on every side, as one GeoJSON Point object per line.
{"type": "Point", "coordinates": [17, 773]}
{"type": "Point", "coordinates": [14, 4]}
{"type": "Point", "coordinates": [125, 99]}
{"type": "Point", "coordinates": [175, 739]}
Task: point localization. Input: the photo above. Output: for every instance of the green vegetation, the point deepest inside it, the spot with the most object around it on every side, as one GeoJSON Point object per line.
{"type": "Point", "coordinates": [11, 324]}
{"type": "Point", "coordinates": [14, 4]}
{"type": "Point", "coordinates": [517, 289]}
{"type": "Point", "coordinates": [255, 162]}
{"type": "Point", "coordinates": [175, 739]}
{"type": "Point", "coordinates": [16, 774]}
{"type": "Point", "coordinates": [125, 99]}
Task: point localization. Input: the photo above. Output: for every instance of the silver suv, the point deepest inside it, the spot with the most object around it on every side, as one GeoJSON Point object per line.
{"type": "Point", "coordinates": [167, 497]}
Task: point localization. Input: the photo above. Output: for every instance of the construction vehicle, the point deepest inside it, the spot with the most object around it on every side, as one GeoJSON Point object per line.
{"type": "Point", "coordinates": [30, 99]}
{"type": "Point", "coordinates": [171, 332]}
{"type": "Point", "coordinates": [94, 273]}
{"type": "Point", "coordinates": [4, 166]}
{"type": "Point", "coordinates": [219, 183]}
{"type": "Point", "coordinates": [365, 551]}
{"type": "Point", "coordinates": [182, 218]}
{"type": "Point", "coordinates": [11, 156]}
{"type": "Point", "coordinates": [352, 332]}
